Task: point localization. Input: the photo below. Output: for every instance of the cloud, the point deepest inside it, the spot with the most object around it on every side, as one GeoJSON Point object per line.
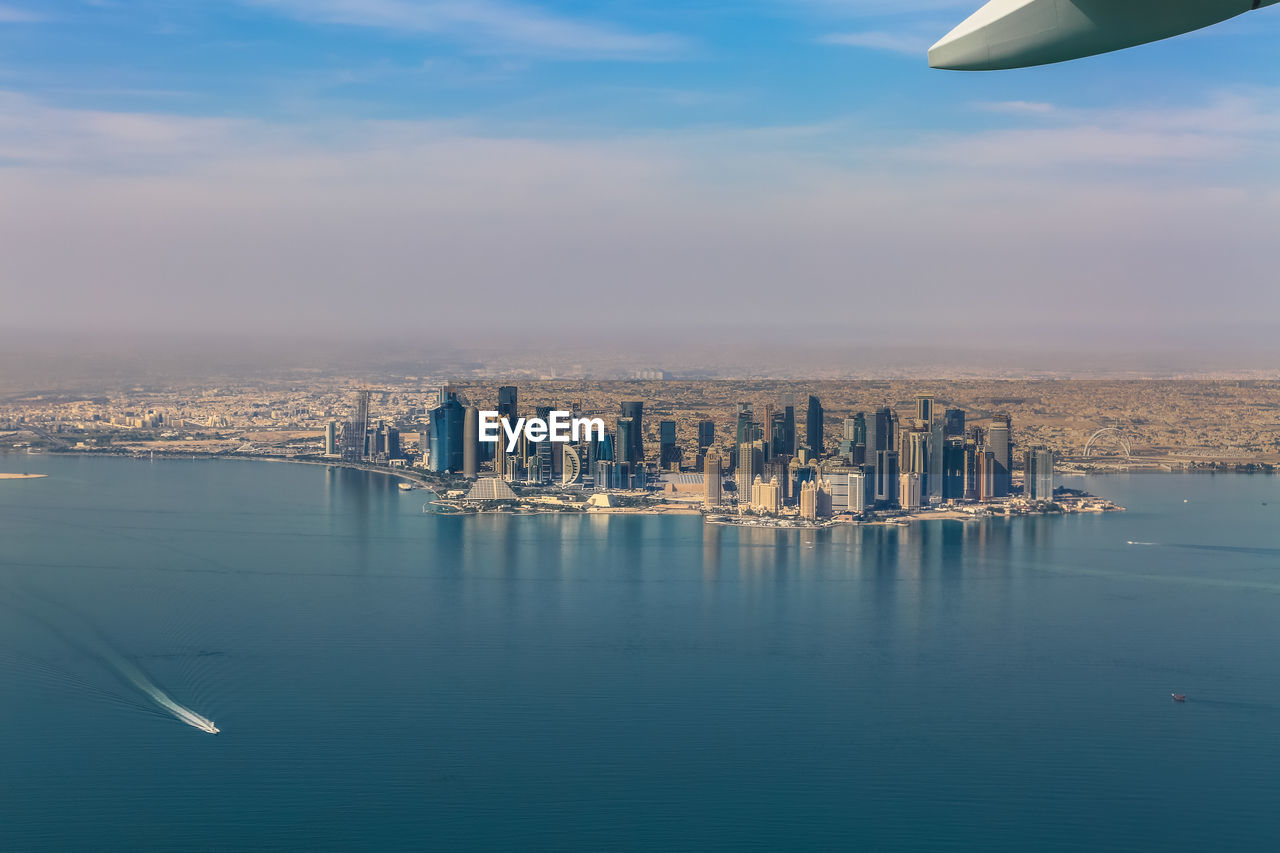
{"type": "Point", "coordinates": [487, 26]}
{"type": "Point", "coordinates": [14, 15]}
{"type": "Point", "coordinates": [909, 44]}
{"type": "Point", "coordinates": [178, 222]}
{"type": "Point", "coordinates": [1016, 107]}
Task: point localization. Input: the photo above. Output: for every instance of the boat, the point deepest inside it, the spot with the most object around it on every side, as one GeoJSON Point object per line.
{"type": "Point", "coordinates": [1179, 697]}
{"type": "Point", "coordinates": [406, 487]}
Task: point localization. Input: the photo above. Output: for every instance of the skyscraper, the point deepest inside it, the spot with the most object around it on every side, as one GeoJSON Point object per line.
{"type": "Point", "coordinates": [508, 396]}
{"type": "Point", "coordinates": [706, 433]}
{"type": "Point", "coordinates": [1038, 474]}
{"type": "Point", "coordinates": [743, 428]}
{"type": "Point", "coordinates": [667, 450]}
{"type": "Point", "coordinates": [331, 439]}
{"type": "Point", "coordinates": [635, 411]}
{"type": "Point", "coordinates": [789, 419]}
{"type": "Point", "coordinates": [471, 443]}
{"type": "Point", "coordinates": [813, 427]}
{"type": "Point", "coordinates": [625, 449]}
{"type": "Point", "coordinates": [750, 463]}
{"type": "Point", "coordinates": [447, 427]}
{"type": "Point", "coordinates": [954, 419]}
{"type": "Point", "coordinates": [998, 444]}
{"type": "Point", "coordinates": [712, 480]}
{"type": "Point", "coordinates": [924, 408]}
{"type": "Point", "coordinates": [355, 431]}
{"type": "Point", "coordinates": [887, 477]}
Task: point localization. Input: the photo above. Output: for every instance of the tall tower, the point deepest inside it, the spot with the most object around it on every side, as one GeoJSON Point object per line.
{"type": "Point", "coordinates": [924, 408]}
{"type": "Point", "coordinates": [471, 443]}
{"type": "Point", "coordinates": [331, 439]}
{"type": "Point", "coordinates": [1002, 452]}
{"type": "Point", "coordinates": [813, 427]}
{"type": "Point", "coordinates": [355, 432]}
{"type": "Point", "coordinates": [712, 480]}
{"type": "Point", "coordinates": [635, 410]}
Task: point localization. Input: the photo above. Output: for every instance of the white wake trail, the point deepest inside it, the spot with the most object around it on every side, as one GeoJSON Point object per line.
{"type": "Point", "coordinates": [155, 694]}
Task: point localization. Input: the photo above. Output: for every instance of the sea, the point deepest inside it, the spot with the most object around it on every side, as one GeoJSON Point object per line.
{"type": "Point", "coordinates": [384, 677]}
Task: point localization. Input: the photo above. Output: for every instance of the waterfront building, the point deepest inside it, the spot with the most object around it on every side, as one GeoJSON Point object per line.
{"type": "Point", "coordinates": [857, 491]}
{"type": "Point", "coordinates": [355, 431]}
{"type": "Point", "coordinates": [911, 490]}
{"type": "Point", "coordinates": [471, 443]}
{"type": "Point", "coordinates": [713, 480]}
{"type": "Point", "coordinates": [750, 463]}
{"type": "Point", "coordinates": [490, 489]}
{"type": "Point", "coordinates": [934, 485]}
{"type": "Point", "coordinates": [331, 439]}
{"type": "Point", "coordinates": [887, 477]}
{"type": "Point", "coordinates": [1000, 446]}
{"type": "Point", "coordinates": [986, 475]}
{"type": "Point", "coordinates": [766, 497]}
{"type": "Point", "coordinates": [953, 470]}
{"type": "Point", "coordinates": [447, 427]}
{"type": "Point", "coordinates": [809, 500]}
{"type": "Point", "coordinates": [1038, 474]}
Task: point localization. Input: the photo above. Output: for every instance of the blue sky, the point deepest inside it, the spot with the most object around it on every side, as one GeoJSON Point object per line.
{"type": "Point", "coordinates": [276, 150]}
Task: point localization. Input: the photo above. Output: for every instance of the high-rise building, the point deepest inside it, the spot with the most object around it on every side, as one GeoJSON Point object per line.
{"type": "Point", "coordinates": [355, 431]}
{"type": "Point", "coordinates": [625, 449]}
{"type": "Point", "coordinates": [766, 497]}
{"type": "Point", "coordinates": [331, 439]}
{"type": "Point", "coordinates": [809, 500]}
{"type": "Point", "coordinates": [571, 467]}
{"type": "Point", "coordinates": [471, 443]}
{"type": "Point", "coordinates": [934, 484]}
{"type": "Point", "coordinates": [986, 474]}
{"type": "Point", "coordinates": [1038, 474]}
{"type": "Point", "coordinates": [924, 409]}
{"type": "Point", "coordinates": [750, 463]}
{"type": "Point", "coordinates": [954, 420]}
{"type": "Point", "coordinates": [508, 397]}
{"type": "Point", "coordinates": [910, 490]}
{"type": "Point", "coordinates": [712, 480]}
{"type": "Point", "coordinates": [668, 453]}
{"type": "Point", "coordinates": [887, 477]}
{"type": "Point", "coordinates": [857, 499]}
{"type": "Point", "coordinates": [745, 427]}
{"type": "Point", "coordinates": [635, 411]}
{"type": "Point", "coordinates": [789, 420]}
{"type": "Point", "coordinates": [706, 433]}
{"type": "Point", "coordinates": [447, 428]}
{"type": "Point", "coordinates": [813, 427]}
{"type": "Point", "coordinates": [953, 470]}
{"type": "Point", "coordinates": [999, 444]}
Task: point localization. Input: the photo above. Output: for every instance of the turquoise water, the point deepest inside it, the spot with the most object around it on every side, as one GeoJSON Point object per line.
{"type": "Point", "coordinates": [387, 679]}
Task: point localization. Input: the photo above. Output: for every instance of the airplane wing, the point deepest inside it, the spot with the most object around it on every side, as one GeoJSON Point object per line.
{"type": "Point", "coordinates": [1019, 33]}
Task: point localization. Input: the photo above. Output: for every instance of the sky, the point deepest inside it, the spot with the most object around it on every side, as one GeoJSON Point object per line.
{"type": "Point", "coordinates": [553, 168]}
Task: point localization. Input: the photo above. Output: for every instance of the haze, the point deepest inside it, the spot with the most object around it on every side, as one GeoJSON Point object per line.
{"type": "Point", "coordinates": [764, 176]}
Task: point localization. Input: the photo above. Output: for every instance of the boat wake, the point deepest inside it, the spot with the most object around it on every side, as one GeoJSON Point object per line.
{"type": "Point", "coordinates": [1131, 542]}
{"type": "Point", "coordinates": [139, 680]}
{"type": "Point", "coordinates": [103, 651]}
